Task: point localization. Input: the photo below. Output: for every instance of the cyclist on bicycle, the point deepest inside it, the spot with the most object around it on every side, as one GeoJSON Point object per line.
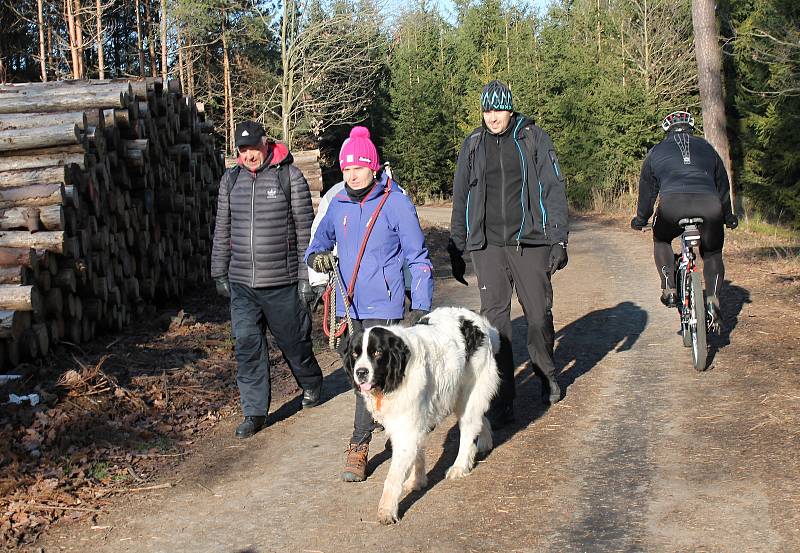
{"type": "Point", "coordinates": [689, 176]}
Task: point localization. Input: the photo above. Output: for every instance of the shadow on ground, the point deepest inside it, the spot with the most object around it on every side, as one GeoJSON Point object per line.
{"type": "Point", "coordinates": [582, 344]}
{"type": "Point", "coordinates": [732, 301]}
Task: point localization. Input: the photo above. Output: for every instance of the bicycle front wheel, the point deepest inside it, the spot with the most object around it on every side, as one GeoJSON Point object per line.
{"type": "Point", "coordinates": [697, 324]}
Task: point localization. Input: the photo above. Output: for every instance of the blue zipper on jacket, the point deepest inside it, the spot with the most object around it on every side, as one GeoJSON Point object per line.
{"type": "Point", "coordinates": [467, 214]}
{"type": "Point", "coordinates": [524, 177]}
{"type": "Point", "coordinates": [524, 183]}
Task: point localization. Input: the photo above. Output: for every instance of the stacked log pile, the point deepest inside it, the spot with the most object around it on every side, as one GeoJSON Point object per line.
{"type": "Point", "coordinates": [107, 191]}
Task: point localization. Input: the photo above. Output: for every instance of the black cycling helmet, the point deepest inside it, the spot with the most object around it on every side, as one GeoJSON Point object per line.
{"type": "Point", "coordinates": [678, 121]}
{"type": "Point", "coordinates": [496, 96]}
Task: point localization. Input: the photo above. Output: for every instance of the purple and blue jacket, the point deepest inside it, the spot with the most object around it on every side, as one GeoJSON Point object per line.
{"type": "Point", "coordinates": [379, 290]}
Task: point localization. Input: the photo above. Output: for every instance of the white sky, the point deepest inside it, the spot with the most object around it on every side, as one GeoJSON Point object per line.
{"type": "Point", "coordinates": [447, 5]}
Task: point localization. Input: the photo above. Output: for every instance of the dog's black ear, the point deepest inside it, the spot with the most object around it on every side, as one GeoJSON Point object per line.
{"type": "Point", "coordinates": [398, 354]}
{"type": "Point", "coordinates": [346, 349]}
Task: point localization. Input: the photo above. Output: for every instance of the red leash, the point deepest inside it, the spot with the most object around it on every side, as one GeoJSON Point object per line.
{"type": "Point", "coordinates": [326, 296]}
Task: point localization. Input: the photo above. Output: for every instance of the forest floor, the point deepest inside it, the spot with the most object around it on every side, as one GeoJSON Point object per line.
{"type": "Point", "coordinates": [131, 448]}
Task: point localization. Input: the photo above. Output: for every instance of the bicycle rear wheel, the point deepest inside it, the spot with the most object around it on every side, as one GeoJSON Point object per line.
{"type": "Point", "coordinates": [697, 324]}
{"type": "Point", "coordinates": [683, 281]}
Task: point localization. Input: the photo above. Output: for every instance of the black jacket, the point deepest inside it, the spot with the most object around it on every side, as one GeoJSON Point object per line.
{"type": "Point", "coordinates": [666, 171]}
{"type": "Point", "coordinates": [540, 210]}
{"type": "Point", "coordinates": [259, 238]}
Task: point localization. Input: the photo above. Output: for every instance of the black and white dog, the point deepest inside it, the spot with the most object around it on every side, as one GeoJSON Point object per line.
{"type": "Point", "coordinates": [412, 378]}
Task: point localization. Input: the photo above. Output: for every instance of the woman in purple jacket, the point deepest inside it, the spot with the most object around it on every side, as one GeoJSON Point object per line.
{"type": "Point", "coordinates": [379, 294]}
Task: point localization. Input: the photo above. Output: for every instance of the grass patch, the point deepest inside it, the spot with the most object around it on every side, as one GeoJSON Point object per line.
{"type": "Point", "coordinates": [757, 225]}
{"type": "Point", "coordinates": [162, 444]}
{"type": "Point", "coordinates": [99, 471]}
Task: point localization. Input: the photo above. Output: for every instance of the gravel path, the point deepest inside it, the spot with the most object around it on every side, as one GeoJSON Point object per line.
{"type": "Point", "coordinates": [641, 455]}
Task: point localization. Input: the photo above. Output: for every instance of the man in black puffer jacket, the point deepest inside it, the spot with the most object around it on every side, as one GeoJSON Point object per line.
{"type": "Point", "coordinates": [263, 223]}
{"type": "Point", "coordinates": [510, 214]}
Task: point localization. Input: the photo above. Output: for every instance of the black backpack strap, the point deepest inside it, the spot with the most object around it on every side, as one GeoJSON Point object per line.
{"type": "Point", "coordinates": [233, 176]}
{"type": "Point", "coordinates": [473, 145]}
{"type": "Point", "coordinates": [532, 146]}
{"type": "Point", "coordinates": [284, 179]}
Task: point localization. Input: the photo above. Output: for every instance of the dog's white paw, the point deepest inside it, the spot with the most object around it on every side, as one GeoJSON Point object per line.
{"type": "Point", "coordinates": [387, 516]}
{"type": "Point", "coordinates": [457, 472]}
{"type": "Point", "coordinates": [415, 484]}
{"type": "Point", "coordinates": [484, 443]}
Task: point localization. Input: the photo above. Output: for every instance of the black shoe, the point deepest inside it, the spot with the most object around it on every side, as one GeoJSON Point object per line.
{"type": "Point", "coordinates": [551, 391]}
{"type": "Point", "coordinates": [669, 298]}
{"type": "Point", "coordinates": [311, 397]}
{"type": "Point", "coordinates": [500, 416]}
{"type": "Point", "coordinates": [249, 426]}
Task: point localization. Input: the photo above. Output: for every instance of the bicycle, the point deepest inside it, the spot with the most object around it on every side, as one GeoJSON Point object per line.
{"type": "Point", "coordinates": [691, 296]}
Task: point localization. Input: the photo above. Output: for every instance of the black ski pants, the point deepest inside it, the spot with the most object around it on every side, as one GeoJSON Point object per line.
{"type": "Point", "coordinates": [501, 269]}
{"type": "Point", "coordinates": [363, 423]}
{"type": "Point", "coordinates": [278, 308]}
{"type": "Point", "coordinates": [671, 209]}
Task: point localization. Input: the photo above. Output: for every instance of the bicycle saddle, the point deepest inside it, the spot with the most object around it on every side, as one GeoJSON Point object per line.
{"type": "Point", "coordinates": [690, 221]}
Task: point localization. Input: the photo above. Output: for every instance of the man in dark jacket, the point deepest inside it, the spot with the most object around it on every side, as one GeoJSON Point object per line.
{"type": "Point", "coordinates": [264, 217]}
{"type": "Point", "coordinates": [510, 214]}
{"type": "Point", "coordinates": [688, 176]}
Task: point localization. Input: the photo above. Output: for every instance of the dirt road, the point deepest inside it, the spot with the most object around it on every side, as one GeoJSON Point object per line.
{"type": "Point", "coordinates": [643, 454]}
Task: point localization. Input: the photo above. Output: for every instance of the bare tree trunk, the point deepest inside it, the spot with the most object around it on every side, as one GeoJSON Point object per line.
{"type": "Point", "coordinates": [164, 41]}
{"type": "Point", "coordinates": [190, 70]}
{"type": "Point", "coordinates": [150, 38]}
{"type": "Point", "coordinates": [599, 29]}
{"type": "Point", "coordinates": [209, 87]}
{"type": "Point", "coordinates": [50, 45]}
{"type": "Point", "coordinates": [42, 57]}
{"type": "Point", "coordinates": [226, 76]}
{"type": "Point", "coordinates": [622, 39]}
{"type": "Point", "coordinates": [508, 47]}
{"type": "Point", "coordinates": [73, 42]}
{"type": "Point", "coordinates": [79, 39]}
{"type": "Point", "coordinates": [101, 62]}
{"type": "Point", "coordinates": [181, 72]}
{"type": "Point", "coordinates": [709, 72]}
{"type": "Point", "coordinates": [287, 28]}
{"type": "Point", "coordinates": [139, 47]}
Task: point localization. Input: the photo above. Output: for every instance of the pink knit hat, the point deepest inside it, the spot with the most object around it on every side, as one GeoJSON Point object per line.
{"type": "Point", "coordinates": [359, 150]}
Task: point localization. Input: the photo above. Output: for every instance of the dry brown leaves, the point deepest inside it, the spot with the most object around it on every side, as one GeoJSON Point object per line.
{"type": "Point", "coordinates": [112, 414]}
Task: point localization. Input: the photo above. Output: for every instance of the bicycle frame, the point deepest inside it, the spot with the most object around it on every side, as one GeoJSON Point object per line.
{"type": "Point", "coordinates": [686, 266]}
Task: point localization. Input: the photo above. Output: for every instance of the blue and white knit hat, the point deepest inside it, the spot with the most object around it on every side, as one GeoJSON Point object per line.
{"type": "Point", "coordinates": [496, 96]}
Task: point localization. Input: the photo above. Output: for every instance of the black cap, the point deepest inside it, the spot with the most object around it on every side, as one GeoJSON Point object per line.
{"type": "Point", "coordinates": [249, 133]}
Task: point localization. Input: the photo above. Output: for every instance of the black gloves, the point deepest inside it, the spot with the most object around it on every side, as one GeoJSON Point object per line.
{"type": "Point", "coordinates": [223, 286]}
{"type": "Point", "coordinates": [558, 257]}
{"type": "Point", "coordinates": [305, 293]}
{"type": "Point", "coordinates": [319, 290]}
{"type": "Point", "coordinates": [731, 220]}
{"type": "Point", "coordinates": [414, 316]}
{"type": "Point", "coordinates": [322, 262]}
{"type": "Point", "coordinates": [459, 266]}
{"type": "Point", "coordinates": [637, 224]}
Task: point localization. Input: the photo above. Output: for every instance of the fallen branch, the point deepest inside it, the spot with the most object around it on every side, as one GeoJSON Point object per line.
{"type": "Point", "coordinates": [41, 506]}
{"type": "Point", "coordinates": [148, 488]}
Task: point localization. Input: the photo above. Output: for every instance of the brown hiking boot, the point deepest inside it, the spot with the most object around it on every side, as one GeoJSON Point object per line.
{"type": "Point", "coordinates": [355, 467]}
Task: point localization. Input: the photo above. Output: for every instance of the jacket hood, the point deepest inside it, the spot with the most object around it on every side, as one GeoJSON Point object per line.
{"type": "Point", "coordinates": [277, 154]}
